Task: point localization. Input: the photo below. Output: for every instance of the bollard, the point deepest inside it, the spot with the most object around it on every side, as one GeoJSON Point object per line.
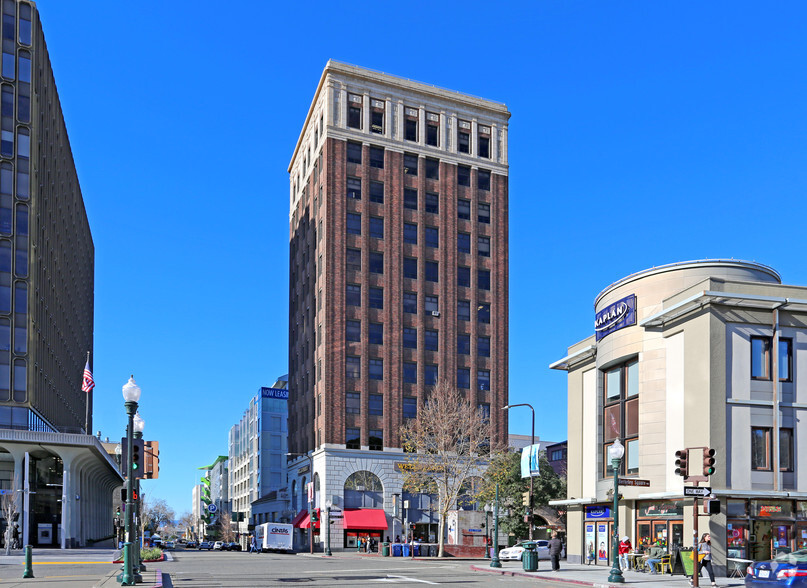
{"type": "Point", "coordinates": [28, 572]}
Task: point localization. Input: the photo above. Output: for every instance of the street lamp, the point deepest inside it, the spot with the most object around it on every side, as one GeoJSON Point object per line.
{"type": "Point", "coordinates": [139, 425]}
{"type": "Point", "coordinates": [615, 452]}
{"type": "Point", "coordinates": [328, 505]}
{"type": "Point", "coordinates": [310, 457]}
{"type": "Point", "coordinates": [508, 407]}
{"type": "Point", "coordinates": [131, 396]}
{"type": "Point", "coordinates": [494, 560]}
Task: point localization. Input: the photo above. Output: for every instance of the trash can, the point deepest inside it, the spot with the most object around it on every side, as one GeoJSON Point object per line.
{"type": "Point", "coordinates": [396, 550]}
{"type": "Point", "coordinates": [529, 559]}
{"type": "Point", "coordinates": [385, 549]}
{"type": "Point", "coordinates": [416, 547]}
{"type": "Point", "coordinates": [433, 549]}
{"type": "Point", "coordinates": [406, 549]}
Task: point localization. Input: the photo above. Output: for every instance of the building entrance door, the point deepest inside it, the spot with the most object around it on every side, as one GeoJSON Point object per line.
{"type": "Point", "coordinates": [761, 543]}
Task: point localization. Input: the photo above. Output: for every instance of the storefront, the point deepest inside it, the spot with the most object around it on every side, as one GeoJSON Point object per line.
{"type": "Point", "coordinates": [598, 534]}
{"type": "Point", "coordinates": [365, 523]}
{"type": "Point", "coordinates": [660, 522]}
{"type": "Point", "coordinates": [759, 528]}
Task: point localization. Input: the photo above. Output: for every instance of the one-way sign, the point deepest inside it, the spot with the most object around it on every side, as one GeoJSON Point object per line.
{"type": "Point", "coordinates": [700, 491]}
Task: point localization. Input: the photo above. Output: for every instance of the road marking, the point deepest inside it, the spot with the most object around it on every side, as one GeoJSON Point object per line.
{"type": "Point", "coordinates": [396, 579]}
{"type": "Point", "coordinates": [65, 563]}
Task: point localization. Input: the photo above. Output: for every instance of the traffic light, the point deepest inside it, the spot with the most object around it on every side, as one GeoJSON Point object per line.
{"type": "Point", "coordinates": [314, 515]}
{"type": "Point", "coordinates": [681, 465]}
{"type": "Point", "coordinates": [525, 498]}
{"type": "Point", "coordinates": [137, 458]}
{"type": "Point", "coordinates": [708, 461]}
{"type": "Point", "coordinates": [712, 506]}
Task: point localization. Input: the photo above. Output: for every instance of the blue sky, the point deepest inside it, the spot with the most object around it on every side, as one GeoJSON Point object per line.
{"type": "Point", "coordinates": [642, 133]}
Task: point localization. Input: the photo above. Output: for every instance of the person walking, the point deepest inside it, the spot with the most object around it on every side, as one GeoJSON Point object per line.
{"type": "Point", "coordinates": [253, 545]}
{"type": "Point", "coordinates": [555, 549]}
{"type": "Point", "coordinates": [705, 549]}
{"type": "Point", "coordinates": [625, 548]}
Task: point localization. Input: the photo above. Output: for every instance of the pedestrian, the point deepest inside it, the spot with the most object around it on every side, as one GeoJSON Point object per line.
{"type": "Point", "coordinates": [705, 549]}
{"type": "Point", "coordinates": [397, 538]}
{"type": "Point", "coordinates": [625, 548]}
{"type": "Point", "coordinates": [555, 549]}
{"type": "Point", "coordinates": [253, 547]}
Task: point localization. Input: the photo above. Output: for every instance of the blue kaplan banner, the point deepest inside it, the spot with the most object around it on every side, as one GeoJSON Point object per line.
{"type": "Point", "coordinates": [529, 461]}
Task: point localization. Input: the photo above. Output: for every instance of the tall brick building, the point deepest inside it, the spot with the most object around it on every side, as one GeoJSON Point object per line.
{"type": "Point", "coordinates": [398, 266]}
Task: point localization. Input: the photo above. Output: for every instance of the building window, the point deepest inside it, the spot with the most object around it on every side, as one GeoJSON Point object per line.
{"type": "Point", "coordinates": [410, 372]}
{"type": "Point", "coordinates": [430, 375]}
{"type": "Point", "coordinates": [463, 243]}
{"type": "Point", "coordinates": [376, 227]}
{"type": "Point", "coordinates": [410, 199]}
{"type": "Point", "coordinates": [761, 359]}
{"type": "Point", "coordinates": [375, 334]}
{"type": "Point", "coordinates": [375, 406]}
{"type": "Point", "coordinates": [430, 340]}
{"type": "Point", "coordinates": [483, 346]}
{"type": "Point", "coordinates": [353, 152]}
{"type": "Point", "coordinates": [484, 411]}
{"type": "Point", "coordinates": [483, 379]}
{"type": "Point", "coordinates": [410, 268]}
{"type": "Point", "coordinates": [354, 117]}
{"type": "Point", "coordinates": [464, 177]}
{"type": "Point", "coordinates": [463, 310]}
{"type": "Point", "coordinates": [352, 366]}
{"type": "Point", "coordinates": [410, 233]}
{"type": "Point", "coordinates": [352, 403]}
{"type": "Point", "coordinates": [431, 305]}
{"type": "Point", "coordinates": [376, 262]}
{"type": "Point", "coordinates": [432, 169]}
{"type": "Point", "coordinates": [377, 192]}
{"type": "Point", "coordinates": [432, 202]}
{"type": "Point", "coordinates": [353, 438]}
{"type": "Point", "coordinates": [432, 237]}
{"type": "Point", "coordinates": [483, 279]}
{"type": "Point", "coordinates": [432, 134]}
{"type": "Point", "coordinates": [376, 440]}
{"type": "Point", "coordinates": [463, 344]}
{"type": "Point", "coordinates": [354, 188]}
{"type": "Point", "coordinates": [483, 246]}
{"type": "Point", "coordinates": [483, 144]}
{"type": "Point", "coordinates": [464, 209]}
{"type": "Point", "coordinates": [352, 330]}
{"type": "Point", "coordinates": [377, 157]}
{"type": "Point", "coordinates": [621, 415]}
{"type": "Point", "coordinates": [463, 142]}
{"type": "Point", "coordinates": [376, 369]}
{"type": "Point", "coordinates": [484, 213]}
{"type": "Point", "coordinates": [410, 407]}
{"type": "Point", "coordinates": [376, 298]}
{"type": "Point", "coordinates": [483, 180]}
{"type": "Point", "coordinates": [352, 295]}
{"type": "Point", "coordinates": [353, 260]}
{"type": "Point", "coordinates": [464, 276]}
{"type": "Point", "coordinates": [410, 129]}
{"type": "Point", "coordinates": [377, 122]}
{"type": "Point", "coordinates": [410, 163]}
{"type": "Point", "coordinates": [431, 272]}
{"type": "Point", "coordinates": [410, 302]}
{"type": "Point", "coordinates": [762, 449]}
{"type": "Point", "coordinates": [463, 378]}
{"type": "Point", "coordinates": [410, 338]}
{"type": "Point", "coordinates": [483, 313]}
{"type": "Point", "coordinates": [353, 223]}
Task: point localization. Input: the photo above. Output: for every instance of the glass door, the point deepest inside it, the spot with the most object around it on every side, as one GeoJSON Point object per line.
{"type": "Point", "coordinates": [676, 534]}
{"type": "Point", "coordinates": [781, 538]}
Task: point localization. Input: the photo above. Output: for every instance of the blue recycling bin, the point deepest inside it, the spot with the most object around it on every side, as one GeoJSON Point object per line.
{"type": "Point", "coordinates": [406, 549]}
{"type": "Point", "coordinates": [396, 550]}
{"type": "Point", "coordinates": [417, 549]}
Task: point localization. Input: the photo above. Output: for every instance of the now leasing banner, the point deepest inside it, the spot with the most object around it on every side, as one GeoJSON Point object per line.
{"type": "Point", "coordinates": [529, 461]}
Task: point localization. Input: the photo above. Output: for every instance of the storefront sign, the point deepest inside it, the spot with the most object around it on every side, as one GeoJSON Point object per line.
{"type": "Point", "coordinates": [661, 508]}
{"type": "Point", "coordinates": [775, 509]}
{"type": "Point", "coordinates": [613, 317]}
{"type": "Point", "coordinates": [598, 512]}
{"type": "Point", "coordinates": [275, 393]}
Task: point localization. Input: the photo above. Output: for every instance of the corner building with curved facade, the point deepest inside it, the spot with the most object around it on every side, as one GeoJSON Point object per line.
{"type": "Point", "coordinates": [684, 355]}
{"type": "Point", "coordinates": [398, 278]}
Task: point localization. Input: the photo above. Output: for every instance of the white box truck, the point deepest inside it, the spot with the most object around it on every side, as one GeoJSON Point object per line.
{"type": "Point", "coordinates": [276, 536]}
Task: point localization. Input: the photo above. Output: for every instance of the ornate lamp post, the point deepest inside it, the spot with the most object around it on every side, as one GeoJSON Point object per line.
{"type": "Point", "coordinates": [615, 452]}
{"type": "Point", "coordinates": [131, 395]}
{"type": "Point", "coordinates": [494, 561]}
{"type": "Point", "coordinates": [139, 425]}
{"type": "Point", "coordinates": [508, 407]}
{"type": "Point", "coordinates": [328, 505]}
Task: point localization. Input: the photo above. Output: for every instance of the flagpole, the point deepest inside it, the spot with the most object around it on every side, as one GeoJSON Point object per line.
{"type": "Point", "coordinates": [87, 405]}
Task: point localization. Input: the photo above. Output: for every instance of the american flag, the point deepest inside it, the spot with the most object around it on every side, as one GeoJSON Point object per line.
{"type": "Point", "coordinates": [87, 382]}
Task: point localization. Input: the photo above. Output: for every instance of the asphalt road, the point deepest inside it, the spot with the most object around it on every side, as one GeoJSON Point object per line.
{"type": "Point", "coordinates": [194, 569]}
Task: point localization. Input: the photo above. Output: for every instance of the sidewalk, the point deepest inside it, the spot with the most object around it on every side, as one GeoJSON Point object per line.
{"type": "Point", "coordinates": [597, 576]}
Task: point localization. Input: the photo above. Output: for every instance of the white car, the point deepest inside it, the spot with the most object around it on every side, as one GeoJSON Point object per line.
{"type": "Point", "coordinates": [218, 545]}
{"type": "Point", "coordinates": [517, 551]}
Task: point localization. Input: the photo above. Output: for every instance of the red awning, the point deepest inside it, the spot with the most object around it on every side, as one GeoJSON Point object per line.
{"type": "Point", "coordinates": [305, 523]}
{"type": "Point", "coordinates": [303, 514]}
{"type": "Point", "coordinates": [371, 519]}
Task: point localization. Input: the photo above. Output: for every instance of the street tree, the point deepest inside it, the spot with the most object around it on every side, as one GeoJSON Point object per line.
{"type": "Point", "coordinates": [8, 505]}
{"type": "Point", "coordinates": [155, 514]}
{"type": "Point", "coordinates": [449, 442]}
{"type": "Point", "coordinates": [186, 524]}
{"type": "Point", "coordinates": [226, 528]}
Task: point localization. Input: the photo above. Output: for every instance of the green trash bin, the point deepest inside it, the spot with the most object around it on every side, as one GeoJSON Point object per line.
{"type": "Point", "coordinates": [529, 559]}
{"type": "Point", "coordinates": [385, 549]}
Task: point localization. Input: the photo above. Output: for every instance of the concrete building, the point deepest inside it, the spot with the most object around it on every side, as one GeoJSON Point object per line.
{"type": "Point", "coordinates": [398, 228]}
{"type": "Point", "coordinates": [690, 355]}
{"type": "Point", "coordinates": [199, 512]}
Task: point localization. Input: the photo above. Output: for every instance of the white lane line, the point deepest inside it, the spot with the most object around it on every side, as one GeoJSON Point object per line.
{"type": "Point", "coordinates": [396, 579]}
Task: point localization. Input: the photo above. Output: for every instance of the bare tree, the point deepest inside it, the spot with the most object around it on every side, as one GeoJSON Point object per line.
{"type": "Point", "coordinates": [186, 524]}
{"type": "Point", "coordinates": [450, 442]}
{"type": "Point", "coordinates": [226, 530]}
{"type": "Point", "coordinates": [155, 514]}
{"type": "Point", "coordinates": [8, 505]}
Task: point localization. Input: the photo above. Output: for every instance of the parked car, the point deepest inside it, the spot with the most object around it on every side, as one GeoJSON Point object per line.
{"type": "Point", "coordinates": [191, 545]}
{"type": "Point", "coordinates": [205, 545]}
{"type": "Point", "coordinates": [517, 551]}
{"type": "Point", "coordinates": [234, 546]}
{"type": "Point", "coordinates": [168, 545]}
{"type": "Point", "coordinates": [218, 545]}
{"type": "Point", "coordinates": [786, 569]}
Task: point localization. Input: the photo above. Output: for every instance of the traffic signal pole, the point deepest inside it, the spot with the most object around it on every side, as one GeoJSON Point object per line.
{"type": "Point", "coordinates": [695, 561]}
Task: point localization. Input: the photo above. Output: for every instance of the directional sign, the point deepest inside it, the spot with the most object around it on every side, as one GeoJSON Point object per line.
{"type": "Point", "coordinates": [701, 491]}
{"type": "Point", "coordinates": [211, 508]}
{"type": "Point", "coordinates": [633, 482]}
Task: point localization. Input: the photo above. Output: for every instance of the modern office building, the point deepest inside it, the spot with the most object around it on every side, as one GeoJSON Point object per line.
{"type": "Point", "coordinates": [46, 306]}
{"type": "Point", "coordinates": [691, 355]}
{"type": "Point", "coordinates": [257, 451]}
{"type": "Point", "coordinates": [398, 225]}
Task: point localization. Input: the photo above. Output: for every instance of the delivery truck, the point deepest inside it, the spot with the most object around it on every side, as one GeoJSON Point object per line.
{"type": "Point", "coordinates": [276, 536]}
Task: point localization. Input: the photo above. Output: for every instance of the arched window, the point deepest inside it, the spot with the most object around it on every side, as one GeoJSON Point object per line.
{"type": "Point", "coordinates": [304, 493]}
{"type": "Point", "coordinates": [467, 499]}
{"type": "Point", "coordinates": [363, 489]}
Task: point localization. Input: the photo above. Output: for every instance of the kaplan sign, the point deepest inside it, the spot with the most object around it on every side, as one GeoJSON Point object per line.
{"type": "Point", "coordinates": [613, 317]}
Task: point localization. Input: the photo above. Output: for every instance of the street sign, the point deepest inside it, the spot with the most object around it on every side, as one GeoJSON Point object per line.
{"type": "Point", "coordinates": [211, 508]}
{"type": "Point", "coordinates": [633, 482]}
{"type": "Point", "coordinates": [701, 491]}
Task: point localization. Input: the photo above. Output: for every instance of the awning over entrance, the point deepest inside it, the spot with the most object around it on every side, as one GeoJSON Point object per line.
{"type": "Point", "coordinates": [305, 522]}
{"type": "Point", "coordinates": [302, 515]}
{"type": "Point", "coordinates": [365, 518]}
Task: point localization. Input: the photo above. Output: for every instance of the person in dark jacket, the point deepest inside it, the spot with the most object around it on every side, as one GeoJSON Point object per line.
{"type": "Point", "coordinates": [555, 549]}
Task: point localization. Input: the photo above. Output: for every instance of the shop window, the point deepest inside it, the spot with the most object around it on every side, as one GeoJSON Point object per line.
{"type": "Point", "coordinates": [363, 489]}
{"type": "Point", "coordinates": [761, 359]}
{"type": "Point", "coordinates": [621, 415]}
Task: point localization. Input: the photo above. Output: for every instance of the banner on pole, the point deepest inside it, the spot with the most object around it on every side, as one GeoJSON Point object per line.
{"type": "Point", "coordinates": [529, 461]}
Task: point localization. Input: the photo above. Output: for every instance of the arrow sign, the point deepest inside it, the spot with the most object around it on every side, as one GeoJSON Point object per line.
{"type": "Point", "coordinates": [702, 491]}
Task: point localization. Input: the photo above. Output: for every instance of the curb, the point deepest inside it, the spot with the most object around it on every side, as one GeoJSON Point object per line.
{"type": "Point", "coordinates": [544, 577]}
